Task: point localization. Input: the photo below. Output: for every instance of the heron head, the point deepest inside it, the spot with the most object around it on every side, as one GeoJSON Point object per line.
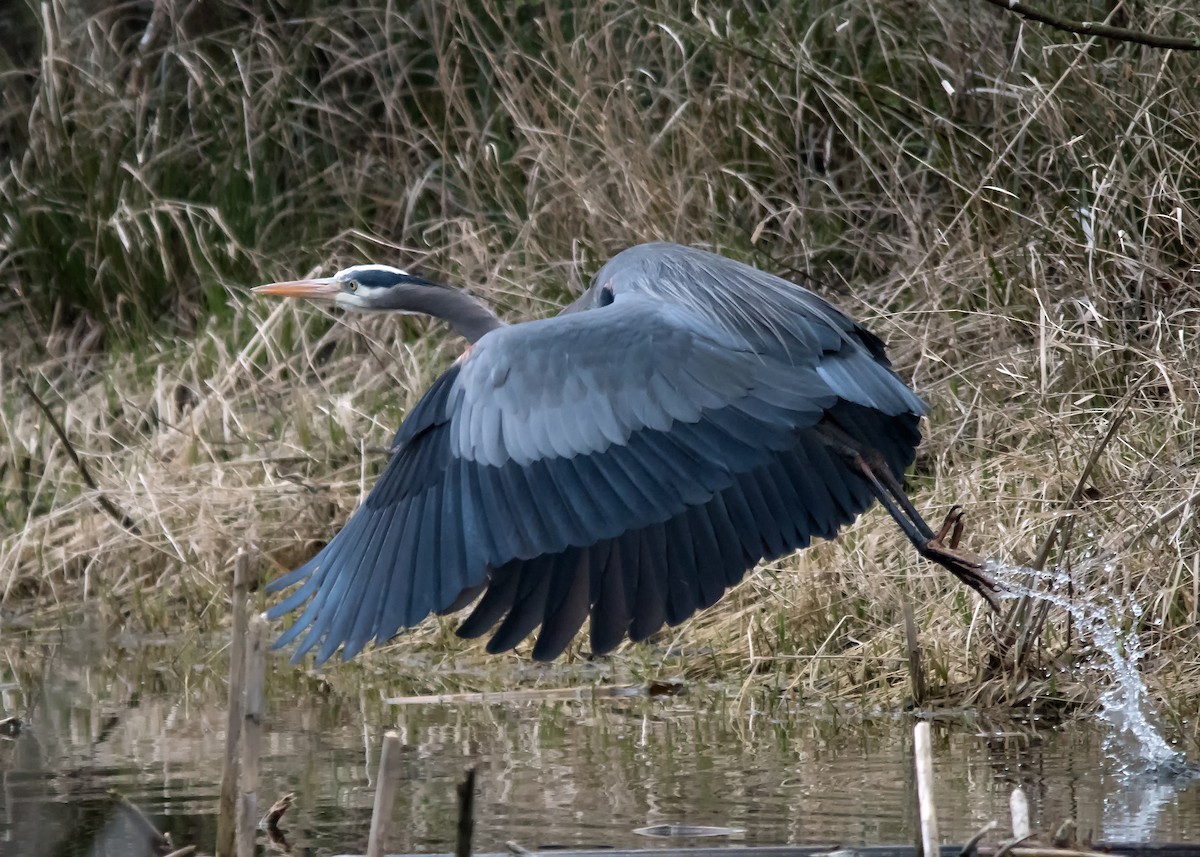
{"type": "Point", "coordinates": [361, 287]}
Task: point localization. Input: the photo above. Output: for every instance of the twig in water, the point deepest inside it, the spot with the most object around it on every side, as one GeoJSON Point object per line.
{"type": "Point", "coordinates": [1018, 806]}
{"type": "Point", "coordinates": [1092, 28]}
{"type": "Point", "coordinates": [255, 672]}
{"type": "Point", "coordinates": [1010, 847]}
{"type": "Point", "coordinates": [153, 836]}
{"type": "Point", "coordinates": [1064, 837]}
{"type": "Point", "coordinates": [923, 751]}
{"type": "Point", "coordinates": [1037, 850]}
{"type": "Point", "coordinates": [109, 508]}
{"type": "Point", "coordinates": [271, 820]}
{"type": "Point", "coordinates": [385, 793]}
{"type": "Point", "coordinates": [466, 814]}
{"type": "Point", "coordinates": [969, 848]}
{"type": "Point", "coordinates": [228, 802]}
{"type": "Point", "coordinates": [270, 823]}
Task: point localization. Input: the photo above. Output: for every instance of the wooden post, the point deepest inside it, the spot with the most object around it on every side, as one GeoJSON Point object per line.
{"type": "Point", "coordinates": [466, 815]}
{"type": "Point", "coordinates": [227, 806]}
{"type": "Point", "coordinates": [385, 793]}
{"type": "Point", "coordinates": [256, 676]}
{"type": "Point", "coordinates": [922, 749]}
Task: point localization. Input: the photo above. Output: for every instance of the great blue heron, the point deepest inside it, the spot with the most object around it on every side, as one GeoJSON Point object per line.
{"type": "Point", "coordinates": [625, 461]}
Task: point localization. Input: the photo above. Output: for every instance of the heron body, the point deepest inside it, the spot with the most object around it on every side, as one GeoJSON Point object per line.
{"type": "Point", "coordinates": [622, 463]}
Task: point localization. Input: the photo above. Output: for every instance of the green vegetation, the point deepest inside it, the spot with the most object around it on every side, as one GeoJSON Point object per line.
{"type": "Point", "coordinates": [1014, 210]}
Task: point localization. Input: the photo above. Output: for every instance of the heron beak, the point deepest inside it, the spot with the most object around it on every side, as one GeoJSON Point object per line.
{"type": "Point", "coordinates": [322, 289]}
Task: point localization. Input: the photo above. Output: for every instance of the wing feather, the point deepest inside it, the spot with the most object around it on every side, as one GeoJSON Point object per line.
{"type": "Point", "coordinates": [395, 598]}
{"type": "Point", "coordinates": [370, 609]}
{"type": "Point", "coordinates": [681, 564]}
{"type": "Point", "coordinates": [567, 603]}
{"type": "Point", "coordinates": [651, 610]}
{"type": "Point", "coordinates": [610, 609]}
{"type": "Point", "coordinates": [432, 587]}
{"type": "Point", "coordinates": [497, 600]}
{"type": "Point", "coordinates": [561, 517]}
{"type": "Point", "coordinates": [452, 548]}
{"type": "Point", "coordinates": [733, 556]}
{"type": "Point", "coordinates": [358, 542]}
{"type": "Point", "coordinates": [706, 557]}
{"type": "Point", "coordinates": [535, 578]}
{"type": "Point", "coordinates": [509, 488]}
{"type": "Point", "coordinates": [762, 513]}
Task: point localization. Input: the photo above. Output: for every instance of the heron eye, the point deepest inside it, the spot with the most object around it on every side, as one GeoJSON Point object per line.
{"type": "Point", "coordinates": [352, 285]}
{"type": "Point", "coordinates": [605, 296]}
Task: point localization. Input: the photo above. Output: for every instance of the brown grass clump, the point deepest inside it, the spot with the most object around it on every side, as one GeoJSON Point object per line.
{"type": "Point", "coordinates": [1015, 211]}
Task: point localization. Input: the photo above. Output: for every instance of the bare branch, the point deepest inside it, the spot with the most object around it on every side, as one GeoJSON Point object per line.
{"type": "Point", "coordinates": [1104, 31]}
{"type": "Point", "coordinates": [105, 504]}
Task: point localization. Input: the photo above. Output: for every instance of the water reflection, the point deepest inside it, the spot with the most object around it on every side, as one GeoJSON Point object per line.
{"type": "Point", "coordinates": [148, 721]}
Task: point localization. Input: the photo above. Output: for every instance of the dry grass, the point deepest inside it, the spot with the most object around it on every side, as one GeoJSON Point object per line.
{"type": "Point", "coordinates": [1014, 211]}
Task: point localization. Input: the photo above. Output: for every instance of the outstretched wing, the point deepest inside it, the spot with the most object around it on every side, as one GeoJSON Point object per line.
{"type": "Point", "coordinates": [627, 463]}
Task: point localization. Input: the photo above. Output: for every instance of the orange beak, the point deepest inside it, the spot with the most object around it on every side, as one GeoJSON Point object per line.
{"type": "Point", "coordinates": [322, 289]}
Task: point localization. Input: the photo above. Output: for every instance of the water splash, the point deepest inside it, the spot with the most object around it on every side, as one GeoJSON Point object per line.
{"type": "Point", "coordinates": [1149, 773]}
{"type": "Point", "coordinates": [1135, 743]}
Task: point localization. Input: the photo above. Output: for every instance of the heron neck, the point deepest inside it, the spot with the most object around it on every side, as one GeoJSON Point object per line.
{"type": "Point", "coordinates": [469, 317]}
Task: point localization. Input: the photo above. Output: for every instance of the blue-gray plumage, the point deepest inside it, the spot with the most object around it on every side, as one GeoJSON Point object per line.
{"type": "Point", "coordinates": [625, 461]}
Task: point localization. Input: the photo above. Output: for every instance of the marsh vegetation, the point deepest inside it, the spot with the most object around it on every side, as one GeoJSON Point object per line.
{"type": "Point", "coordinates": [1015, 211]}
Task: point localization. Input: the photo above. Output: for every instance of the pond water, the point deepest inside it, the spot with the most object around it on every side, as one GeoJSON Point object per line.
{"type": "Point", "coordinates": [582, 771]}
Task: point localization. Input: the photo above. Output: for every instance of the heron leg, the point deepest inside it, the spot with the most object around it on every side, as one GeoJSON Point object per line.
{"type": "Point", "coordinates": [886, 487]}
{"type": "Point", "coordinates": [967, 567]}
{"type": "Point", "coordinates": [884, 475]}
{"type": "Point", "coordinates": [916, 532]}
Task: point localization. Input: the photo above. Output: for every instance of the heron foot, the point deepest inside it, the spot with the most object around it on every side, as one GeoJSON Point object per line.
{"type": "Point", "coordinates": [964, 565]}
{"type": "Point", "coordinates": [952, 527]}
